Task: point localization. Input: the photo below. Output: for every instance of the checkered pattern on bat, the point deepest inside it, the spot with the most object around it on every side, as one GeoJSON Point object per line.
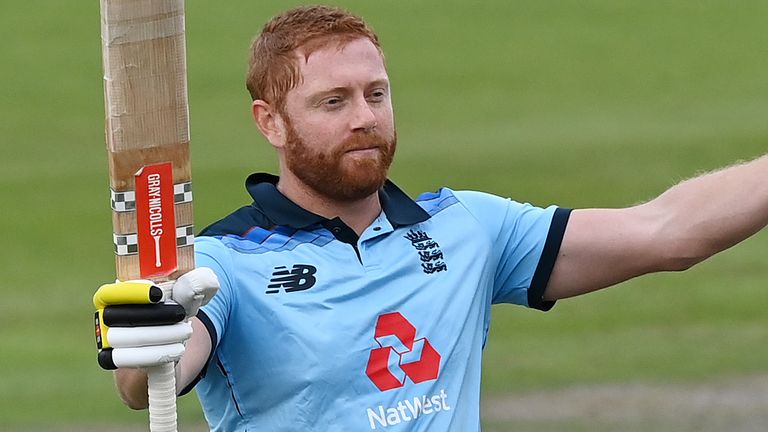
{"type": "Point", "coordinates": [128, 244]}
{"type": "Point", "coordinates": [126, 201]}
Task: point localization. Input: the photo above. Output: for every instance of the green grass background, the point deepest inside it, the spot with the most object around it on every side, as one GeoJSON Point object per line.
{"type": "Point", "coordinates": [579, 103]}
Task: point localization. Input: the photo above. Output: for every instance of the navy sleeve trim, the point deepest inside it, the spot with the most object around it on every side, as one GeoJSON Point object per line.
{"type": "Point", "coordinates": [212, 333]}
{"type": "Point", "coordinates": [547, 261]}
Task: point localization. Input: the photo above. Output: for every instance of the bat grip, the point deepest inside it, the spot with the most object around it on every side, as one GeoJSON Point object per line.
{"type": "Point", "coordinates": [162, 398]}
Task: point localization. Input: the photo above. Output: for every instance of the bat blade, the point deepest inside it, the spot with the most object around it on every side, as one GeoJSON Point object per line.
{"type": "Point", "coordinates": [147, 123]}
{"type": "Point", "coordinates": [147, 135]}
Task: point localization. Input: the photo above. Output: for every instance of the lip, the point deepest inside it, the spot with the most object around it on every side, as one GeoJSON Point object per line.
{"type": "Point", "coordinates": [364, 151]}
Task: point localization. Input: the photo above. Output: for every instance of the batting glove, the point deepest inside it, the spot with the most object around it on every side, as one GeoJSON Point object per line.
{"type": "Point", "coordinates": [142, 324]}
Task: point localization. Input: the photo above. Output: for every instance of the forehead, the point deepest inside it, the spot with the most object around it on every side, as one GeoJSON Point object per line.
{"type": "Point", "coordinates": [342, 64]}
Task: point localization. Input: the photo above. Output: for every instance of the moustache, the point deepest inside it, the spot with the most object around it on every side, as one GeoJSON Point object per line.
{"type": "Point", "coordinates": [362, 141]}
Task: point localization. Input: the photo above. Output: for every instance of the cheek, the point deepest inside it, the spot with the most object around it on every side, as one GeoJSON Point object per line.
{"type": "Point", "coordinates": [386, 118]}
{"type": "Point", "coordinates": [321, 129]}
{"type": "Point", "coordinates": [314, 138]}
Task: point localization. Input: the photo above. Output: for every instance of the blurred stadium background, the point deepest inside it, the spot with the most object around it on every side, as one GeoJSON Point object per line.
{"type": "Point", "coordinates": [579, 103]}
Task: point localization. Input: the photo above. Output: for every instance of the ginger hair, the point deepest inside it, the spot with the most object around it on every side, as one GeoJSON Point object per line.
{"type": "Point", "coordinates": [273, 68]}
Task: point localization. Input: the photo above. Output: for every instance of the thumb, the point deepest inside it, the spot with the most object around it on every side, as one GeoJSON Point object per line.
{"type": "Point", "coordinates": [195, 288]}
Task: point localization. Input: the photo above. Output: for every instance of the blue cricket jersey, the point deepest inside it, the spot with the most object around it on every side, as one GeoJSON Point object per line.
{"type": "Point", "coordinates": [317, 329]}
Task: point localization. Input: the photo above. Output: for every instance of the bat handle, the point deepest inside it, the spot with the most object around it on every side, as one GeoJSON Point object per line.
{"type": "Point", "coordinates": [162, 398]}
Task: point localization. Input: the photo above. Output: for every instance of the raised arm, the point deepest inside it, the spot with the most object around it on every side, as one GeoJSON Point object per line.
{"type": "Point", "coordinates": [683, 226]}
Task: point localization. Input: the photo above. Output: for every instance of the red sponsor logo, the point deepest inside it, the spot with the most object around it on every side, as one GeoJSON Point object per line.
{"type": "Point", "coordinates": [156, 221]}
{"type": "Point", "coordinates": [400, 355]}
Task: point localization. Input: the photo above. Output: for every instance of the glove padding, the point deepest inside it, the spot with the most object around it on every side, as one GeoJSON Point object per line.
{"type": "Point", "coordinates": [140, 324]}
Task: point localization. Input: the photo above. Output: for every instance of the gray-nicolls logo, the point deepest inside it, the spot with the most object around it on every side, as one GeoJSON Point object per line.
{"type": "Point", "coordinates": [429, 251]}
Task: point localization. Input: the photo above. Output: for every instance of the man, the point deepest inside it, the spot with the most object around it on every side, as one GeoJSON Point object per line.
{"type": "Point", "coordinates": [344, 305]}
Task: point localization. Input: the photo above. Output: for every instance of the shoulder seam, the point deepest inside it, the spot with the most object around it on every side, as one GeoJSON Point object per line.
{"type": "Point", "coordinates": [445, 194]}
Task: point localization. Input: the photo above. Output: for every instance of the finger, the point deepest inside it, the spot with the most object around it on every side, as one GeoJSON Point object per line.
{"type": "Point", "coordinates": [126, 337]}
{"type": "Point", "coordinates": [139, 357]}
{"type": "Point", "coordinates": [136, 292]}
{"type": "Point", "coordinates": [142, 315]}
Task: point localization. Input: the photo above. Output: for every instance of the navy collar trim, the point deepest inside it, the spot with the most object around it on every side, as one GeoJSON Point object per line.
{"type": "Point", "coordinates": [399, 208]}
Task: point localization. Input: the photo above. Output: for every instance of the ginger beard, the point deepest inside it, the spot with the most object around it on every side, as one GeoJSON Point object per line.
{"type": "Point", "coordinates": [336, 174]}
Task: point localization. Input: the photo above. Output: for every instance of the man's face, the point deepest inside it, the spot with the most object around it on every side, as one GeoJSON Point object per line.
{"type": "Point", "coordinates": [340, 134]}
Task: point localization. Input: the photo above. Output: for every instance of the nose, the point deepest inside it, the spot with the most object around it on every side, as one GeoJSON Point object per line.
{"type": "Point", "coordinates": [363, 118]}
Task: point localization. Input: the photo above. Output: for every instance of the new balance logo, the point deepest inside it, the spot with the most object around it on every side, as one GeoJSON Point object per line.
{"type": "Point", "coordinates": [299, 278]}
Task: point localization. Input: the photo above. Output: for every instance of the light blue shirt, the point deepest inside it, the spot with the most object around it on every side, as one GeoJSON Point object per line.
{"type": "Point", "coordinates": [317, 330]}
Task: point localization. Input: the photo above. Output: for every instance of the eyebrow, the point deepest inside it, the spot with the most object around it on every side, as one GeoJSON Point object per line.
{"type": "Point", "coordinates": [379, 83]}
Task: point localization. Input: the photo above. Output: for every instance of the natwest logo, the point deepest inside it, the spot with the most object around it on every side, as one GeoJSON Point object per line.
{"type": "Point", "coordinates": [400, 355]}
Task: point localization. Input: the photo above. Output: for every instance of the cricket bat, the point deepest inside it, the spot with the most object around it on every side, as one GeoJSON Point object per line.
{"type": "Point", "coordinates": [147, 136]}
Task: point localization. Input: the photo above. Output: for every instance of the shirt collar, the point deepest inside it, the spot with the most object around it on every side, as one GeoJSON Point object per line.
{"type": "Point", "coordinates": [399, 208]}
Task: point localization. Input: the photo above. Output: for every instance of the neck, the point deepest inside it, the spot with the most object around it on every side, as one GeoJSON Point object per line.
{"type": "Point", "coordinates": [358, 214]}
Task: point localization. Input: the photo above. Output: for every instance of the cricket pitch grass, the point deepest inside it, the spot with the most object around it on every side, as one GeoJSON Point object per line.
{"type": "Point", "coordinates": [732, 405]}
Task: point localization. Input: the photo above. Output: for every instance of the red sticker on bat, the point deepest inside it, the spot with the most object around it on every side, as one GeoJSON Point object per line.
{"type": "Point", "coordinates": [156, 221]}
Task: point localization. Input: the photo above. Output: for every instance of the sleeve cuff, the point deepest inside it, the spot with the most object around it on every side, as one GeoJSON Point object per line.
{"type": "Point", "coordinates": [547, 261]}
{"type": "Point", "coordinates": [214, 338]}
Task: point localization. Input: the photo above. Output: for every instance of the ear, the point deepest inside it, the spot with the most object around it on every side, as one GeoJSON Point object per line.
{"type": "Point", "coordinates": [269, 122]}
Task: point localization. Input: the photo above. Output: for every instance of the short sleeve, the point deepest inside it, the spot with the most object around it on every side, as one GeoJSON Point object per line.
{"type": "Point", "coordinates": [525, 242]}
{"type": "Point", "coordinates": [211, 253]}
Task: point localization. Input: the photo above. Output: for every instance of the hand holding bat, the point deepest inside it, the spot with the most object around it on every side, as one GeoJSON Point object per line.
{"type": "Point", "coordinates": [138, 325]}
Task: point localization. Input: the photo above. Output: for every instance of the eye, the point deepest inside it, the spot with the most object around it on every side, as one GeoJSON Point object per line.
{"type": "Point", "coordinates": [377, 95]}
{"type": "Point", "coordinates": [332, 101]}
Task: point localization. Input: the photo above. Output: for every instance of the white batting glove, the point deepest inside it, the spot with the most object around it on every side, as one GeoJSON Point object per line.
{"type": "Point", "coordinates": [140, 324]}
